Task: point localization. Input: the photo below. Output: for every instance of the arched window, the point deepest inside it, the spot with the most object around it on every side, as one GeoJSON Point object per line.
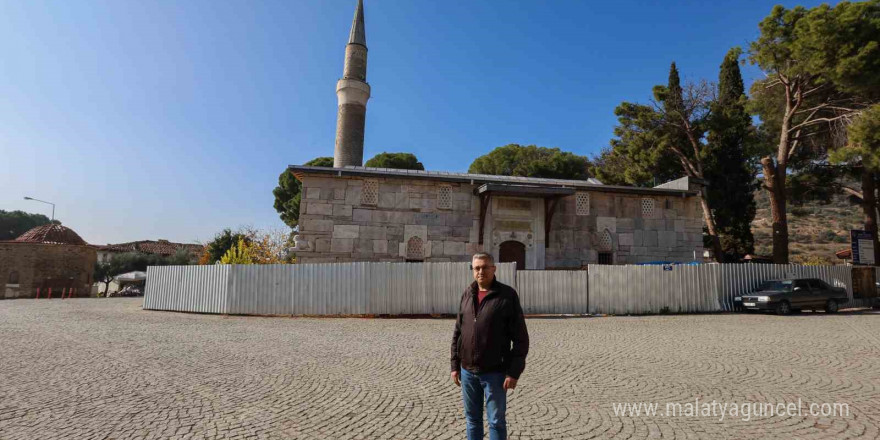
{"type": "Point", "coordinates": [415, 249]}
{"type": "Point", "coordinates": [605, 242]}
{"type": "Point", "coordinates": [13, 277]}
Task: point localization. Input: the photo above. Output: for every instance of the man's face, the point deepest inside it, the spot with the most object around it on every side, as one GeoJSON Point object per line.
{"type": "Point", "coordinates": [483, 270]}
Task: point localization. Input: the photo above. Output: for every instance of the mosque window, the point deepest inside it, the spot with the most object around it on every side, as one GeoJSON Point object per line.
{"type": "Point", "coordinates": [444, 197]}
{"type": "Point", "coordinates": [648, 208]}
{"type": "Point", "coordinates": [415, 249]}
{"type": "Point", "coordinates": [605, 243]}
{"type": "Point", "coordinates": [370, 192]}
{"type": "Point", "coordinates": [583, 203]}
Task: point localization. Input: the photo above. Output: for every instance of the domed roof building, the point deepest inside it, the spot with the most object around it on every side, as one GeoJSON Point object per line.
{"type": "Point", "coordinates": [47, 261]}
{"type": "Point", "coordinates": [52, 233]}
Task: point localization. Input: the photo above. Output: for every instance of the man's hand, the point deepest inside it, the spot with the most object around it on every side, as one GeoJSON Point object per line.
{"type": "Point", "coordinates": [456, 377]}
{"type": "Point", "coordinates": [509, 383]}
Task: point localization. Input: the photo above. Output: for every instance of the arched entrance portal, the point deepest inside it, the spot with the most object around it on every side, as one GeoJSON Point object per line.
{"type": "Point", "coordinates": [513, 252]}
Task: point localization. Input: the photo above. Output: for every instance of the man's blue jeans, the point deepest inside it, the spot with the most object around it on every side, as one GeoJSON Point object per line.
{"type": "Point", "coordinates": [474, 388]}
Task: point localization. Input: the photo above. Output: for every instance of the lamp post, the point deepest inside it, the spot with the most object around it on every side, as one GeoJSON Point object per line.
{"type": "Point", "coordinates": [43, 201]}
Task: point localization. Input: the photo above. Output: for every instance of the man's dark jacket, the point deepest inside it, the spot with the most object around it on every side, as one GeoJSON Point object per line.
{"type": "Point", "coordinates": [483, 333]}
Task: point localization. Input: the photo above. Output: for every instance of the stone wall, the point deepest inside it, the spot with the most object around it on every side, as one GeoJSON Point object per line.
{"type": "Point", "coordinates": [39, 264]}
{"type": "Point", "coordinates": [339, 227]}
{"type": "Point", "coordinates": [670, 234]}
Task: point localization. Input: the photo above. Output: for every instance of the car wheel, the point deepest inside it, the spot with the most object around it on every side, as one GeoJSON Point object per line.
{"type": "Point", "coordinates": [831, 306]}
{"type": "Point", "coordinates": [783, 308]}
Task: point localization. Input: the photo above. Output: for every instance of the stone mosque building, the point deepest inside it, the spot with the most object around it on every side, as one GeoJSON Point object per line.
{"type": "Point", "coordinates": [353, 213]}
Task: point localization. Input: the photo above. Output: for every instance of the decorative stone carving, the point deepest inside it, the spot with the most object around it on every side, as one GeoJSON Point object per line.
{"type": "Point", "coordinates": [609, 223]}
{"type": "Point", "coordinates": [301, 244]}
{"type": "Point", "coordinates": [410, 247]}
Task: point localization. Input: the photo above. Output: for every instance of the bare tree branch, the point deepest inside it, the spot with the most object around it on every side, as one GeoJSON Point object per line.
{"type": "Point", "coordinates": [853, 192]}
{"type": "Point", "coordinates": [808, 122]}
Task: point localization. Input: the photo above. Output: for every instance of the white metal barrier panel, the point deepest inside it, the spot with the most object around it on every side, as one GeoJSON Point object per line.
{"type": "Point", "coordinates": [314, 289]}
{"type": "Point", "coordinates": [436, 288]}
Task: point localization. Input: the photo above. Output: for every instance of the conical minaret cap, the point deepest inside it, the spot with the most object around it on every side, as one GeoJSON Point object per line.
{"type": "Point", "coordinates": [358, 32]}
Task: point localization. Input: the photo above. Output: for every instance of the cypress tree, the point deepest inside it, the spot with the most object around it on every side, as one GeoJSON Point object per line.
{"type": "Point", "coordinates": [673, 101]}
{"type": "Point", "coordinates": [684, 116]}
{"type": "Point", "coordinates": [727, 169]}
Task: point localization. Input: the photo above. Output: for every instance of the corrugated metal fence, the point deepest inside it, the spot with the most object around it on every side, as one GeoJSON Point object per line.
{"type": "Point", "coordinates": [313, 289]}
{"type": "Point", "coordinates": [203, 289]}
{"type": "Point", "coordinates": [435, 288]}
{"type": "Point", "coordinates": [652, 289]}
{"type": "Point", "coordinates": [553, 291]}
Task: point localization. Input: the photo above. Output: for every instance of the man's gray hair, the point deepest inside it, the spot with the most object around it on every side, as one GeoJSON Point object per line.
{"type": "Point", "coordinates": [483, 256]}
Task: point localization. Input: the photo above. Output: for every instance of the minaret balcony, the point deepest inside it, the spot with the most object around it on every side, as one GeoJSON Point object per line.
{"type": "Point", "coordinates": [352, 91]}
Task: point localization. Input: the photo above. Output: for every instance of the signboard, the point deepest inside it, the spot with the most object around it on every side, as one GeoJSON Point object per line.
{"type": "Point", "coordinates": [667, 267]}
{"type": "Point", "coordinates": [862, 247]}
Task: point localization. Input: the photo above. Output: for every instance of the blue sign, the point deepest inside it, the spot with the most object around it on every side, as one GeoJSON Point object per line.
{"type": "Point", "coordinates": [667, 267]}
{"type": "Point", "coordinates": [862, 247]}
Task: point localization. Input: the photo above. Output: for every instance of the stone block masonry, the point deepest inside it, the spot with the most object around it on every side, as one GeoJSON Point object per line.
{"type": "Point", "coordinates": [334, 230]}
{"type": "Point", "coordinates": [406, 222]}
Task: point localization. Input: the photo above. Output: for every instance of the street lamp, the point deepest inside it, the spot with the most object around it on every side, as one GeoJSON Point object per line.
{"type": "Point", "coordinates": [50, 203]}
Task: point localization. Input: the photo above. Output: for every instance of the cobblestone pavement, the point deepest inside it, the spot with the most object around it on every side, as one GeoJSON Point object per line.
{"type": "Point", "coordinates": [105, 369]}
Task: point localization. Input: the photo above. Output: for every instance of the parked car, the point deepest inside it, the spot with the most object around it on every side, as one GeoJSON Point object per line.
{"type": "Point", "coordinates": [792, 294]}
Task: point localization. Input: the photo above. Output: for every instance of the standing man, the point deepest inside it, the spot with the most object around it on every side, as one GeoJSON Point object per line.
{"type": "Point", "coordinates": [489, 348]}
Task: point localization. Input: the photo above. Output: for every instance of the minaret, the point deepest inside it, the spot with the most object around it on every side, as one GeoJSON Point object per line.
{"type": "Point", "coordinates": [352, 92]}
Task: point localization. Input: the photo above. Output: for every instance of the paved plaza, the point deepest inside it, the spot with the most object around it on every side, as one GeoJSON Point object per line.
{"type": "Point", "coordinates": [105, 369]}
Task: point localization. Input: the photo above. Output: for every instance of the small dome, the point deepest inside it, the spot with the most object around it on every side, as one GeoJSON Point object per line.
{"type": "Point", "coordinates": [52, 234]}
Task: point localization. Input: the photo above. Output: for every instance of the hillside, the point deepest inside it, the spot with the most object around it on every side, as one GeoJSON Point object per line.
{"type": "Point", "coordinates": [816, 230]}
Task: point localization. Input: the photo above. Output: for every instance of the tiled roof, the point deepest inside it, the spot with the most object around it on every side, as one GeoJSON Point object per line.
{"type": "Point", "coordinates": [51, 234]}
{"type": "Point", "coordinates": [160, 247]}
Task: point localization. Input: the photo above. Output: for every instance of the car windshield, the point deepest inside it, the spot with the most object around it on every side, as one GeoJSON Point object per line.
{"type": "Point", "coordinates": [784, 286]}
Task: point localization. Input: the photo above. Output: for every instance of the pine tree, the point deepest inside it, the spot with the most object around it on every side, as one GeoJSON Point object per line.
{"type": "Point", "coordinates": [684, 114]}
{"type": "Point", "coordinates": [727, 169]}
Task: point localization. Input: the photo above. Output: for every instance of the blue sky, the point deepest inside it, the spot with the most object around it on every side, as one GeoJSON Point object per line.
{"type": "Point", "coordinates": [173, 119]}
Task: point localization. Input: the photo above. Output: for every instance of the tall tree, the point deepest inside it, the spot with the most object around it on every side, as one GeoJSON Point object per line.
{"type": "Point", "coordinates": [822, 66]}
{"type": "Point", "coordinates": [665, 139]}
{"type": "Point", "coordinates": [727, 166]}
{"type": "Point", "coordinates": [400, 161]}
{"type": "Point", "coordinates": [635, 157]}
{"type": "Point", "coordinates": [288, 193]}
{"type": "Point", "coordinates": [15, 223]}
{"type": "Point", "coordinates": [532, 161]}
{"type": "Point", "coordinates": [863, 152]}
{"type": "Point", "coordinates": [684, 114]}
